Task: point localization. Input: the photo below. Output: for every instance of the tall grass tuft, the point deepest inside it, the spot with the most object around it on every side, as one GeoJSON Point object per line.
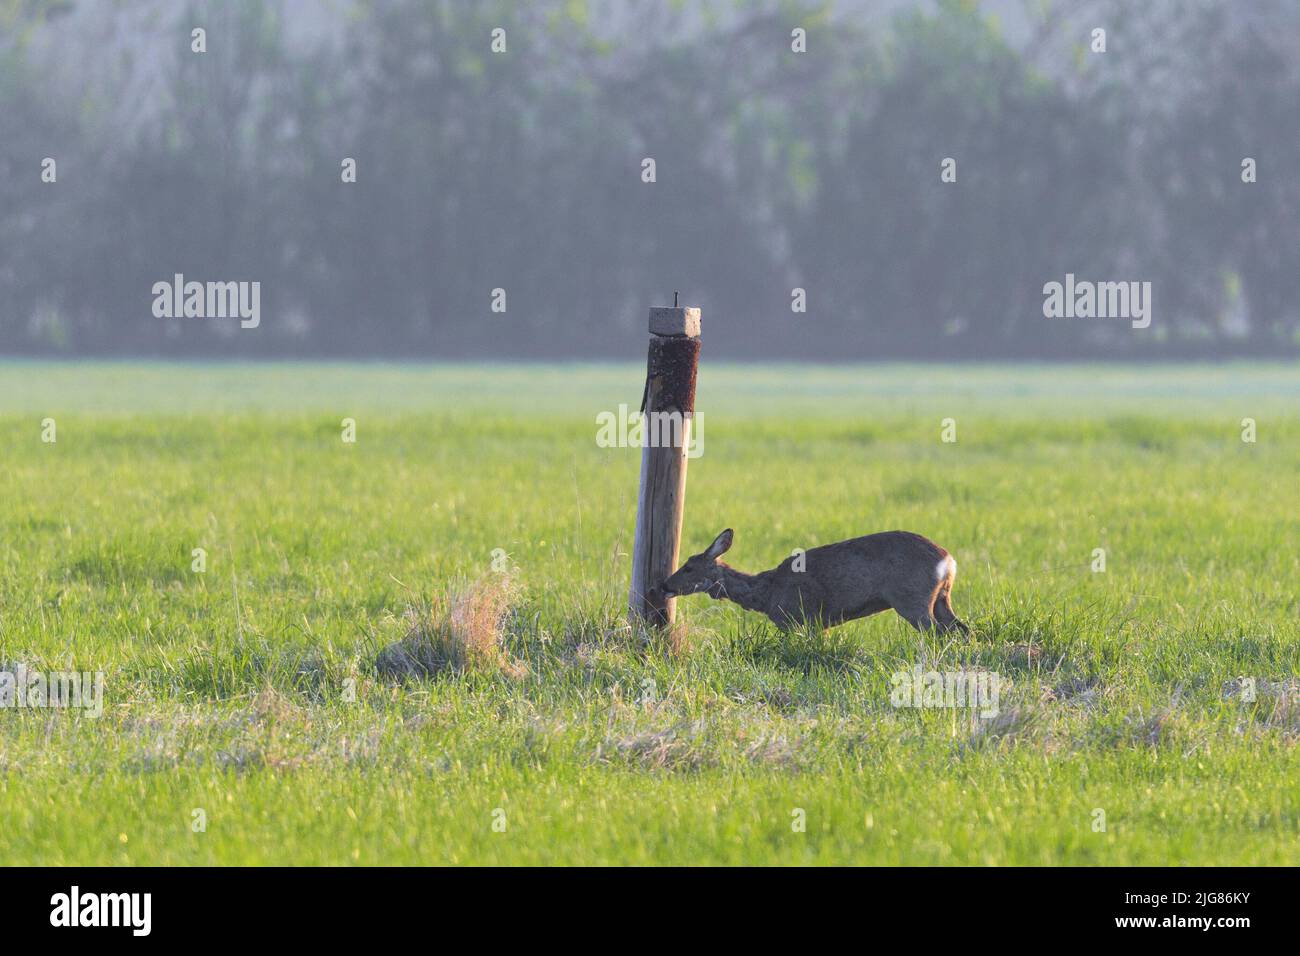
{"type": "Point", "coordinates": [461, 632]}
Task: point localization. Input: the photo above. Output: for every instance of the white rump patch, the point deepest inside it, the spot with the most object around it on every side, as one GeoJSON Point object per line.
{"type": "Point", "coordinates": [947, 565]}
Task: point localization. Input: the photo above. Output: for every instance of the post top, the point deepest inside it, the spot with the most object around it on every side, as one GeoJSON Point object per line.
{"type": "Point", "coordinates": [670, 321]}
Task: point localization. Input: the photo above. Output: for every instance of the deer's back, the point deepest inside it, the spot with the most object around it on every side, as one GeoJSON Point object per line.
{"type": "Point", "coordinates": [853, 578]}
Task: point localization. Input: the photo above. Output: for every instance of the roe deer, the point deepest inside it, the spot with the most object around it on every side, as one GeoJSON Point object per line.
{"type": "Point", "coordinates": [839, 582]}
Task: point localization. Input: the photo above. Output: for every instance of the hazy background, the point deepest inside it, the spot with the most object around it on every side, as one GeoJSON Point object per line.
{"type": "Point", "coordinates": [775, 170]}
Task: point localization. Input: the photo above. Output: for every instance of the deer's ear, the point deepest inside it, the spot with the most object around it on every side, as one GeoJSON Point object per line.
{"type": "Point", "coordinates": [721, 544]}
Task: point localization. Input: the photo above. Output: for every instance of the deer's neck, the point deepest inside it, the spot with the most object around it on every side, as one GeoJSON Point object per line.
{"type": "Point", "coordinates": [747, 590]}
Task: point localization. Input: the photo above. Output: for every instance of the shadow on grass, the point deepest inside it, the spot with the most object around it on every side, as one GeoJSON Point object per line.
{"type": "Point", "coordinates": [806, 649]}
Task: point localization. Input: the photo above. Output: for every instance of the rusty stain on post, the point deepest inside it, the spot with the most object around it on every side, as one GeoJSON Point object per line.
{"type": "Point", "coordinates": [669, 404]}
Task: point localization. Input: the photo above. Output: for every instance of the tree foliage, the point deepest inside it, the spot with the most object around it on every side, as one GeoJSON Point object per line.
{"type": "Point", "coordinates": [522, 171]}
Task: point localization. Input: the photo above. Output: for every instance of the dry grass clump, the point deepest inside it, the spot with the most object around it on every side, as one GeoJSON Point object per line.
{"type": "Point", "coordinates": [461, 632]}
{"type": "Point", "coordinates": [675, 641]}
{"type": "Point", "coordinates": [1276, 703]}
{"type": "Point", "coordinates": [688, 746]}
{"type": "Point", "coordinates": [1008, 726]}
{"type": "Point", "coordinates": [1024, 655]}
{"type": "Point", "coordinates": [674, 748]}
{"type": "Point", "coordinates": [1285, 691]}
{"type": "Point", "coordinates": [1079, 691]}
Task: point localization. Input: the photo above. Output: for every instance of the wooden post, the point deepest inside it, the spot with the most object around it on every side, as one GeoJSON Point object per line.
{"type": "Point", "coordinates": [668, 405]}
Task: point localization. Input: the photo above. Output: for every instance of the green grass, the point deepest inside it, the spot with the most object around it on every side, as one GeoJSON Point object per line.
{"type": "Point", "coordinates": [226, 690]}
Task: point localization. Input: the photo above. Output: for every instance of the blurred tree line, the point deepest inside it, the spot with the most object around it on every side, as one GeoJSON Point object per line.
{"type": "Point", "coordinates": [775, 170]}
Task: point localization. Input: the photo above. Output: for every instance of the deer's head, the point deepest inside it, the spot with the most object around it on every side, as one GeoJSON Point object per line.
{"type": "Point", "coordinates": [701, 572]}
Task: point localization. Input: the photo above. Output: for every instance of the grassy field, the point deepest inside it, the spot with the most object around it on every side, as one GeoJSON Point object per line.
{"type": "Point", "coordinates": [246, 697]}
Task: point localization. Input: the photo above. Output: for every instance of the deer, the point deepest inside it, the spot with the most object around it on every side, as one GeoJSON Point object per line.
{"type": "Point", "coordinates": [834, 583]}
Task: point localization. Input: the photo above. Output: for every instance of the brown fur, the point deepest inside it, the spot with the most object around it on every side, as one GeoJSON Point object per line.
{"type": "Point", "coordinates": [839, 582]}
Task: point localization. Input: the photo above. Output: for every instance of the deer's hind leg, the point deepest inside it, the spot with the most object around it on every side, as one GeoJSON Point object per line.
{"type": "Point", "coordinates": [943, 612]}
{"type": "Point", "coordinates": [918, 609]}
